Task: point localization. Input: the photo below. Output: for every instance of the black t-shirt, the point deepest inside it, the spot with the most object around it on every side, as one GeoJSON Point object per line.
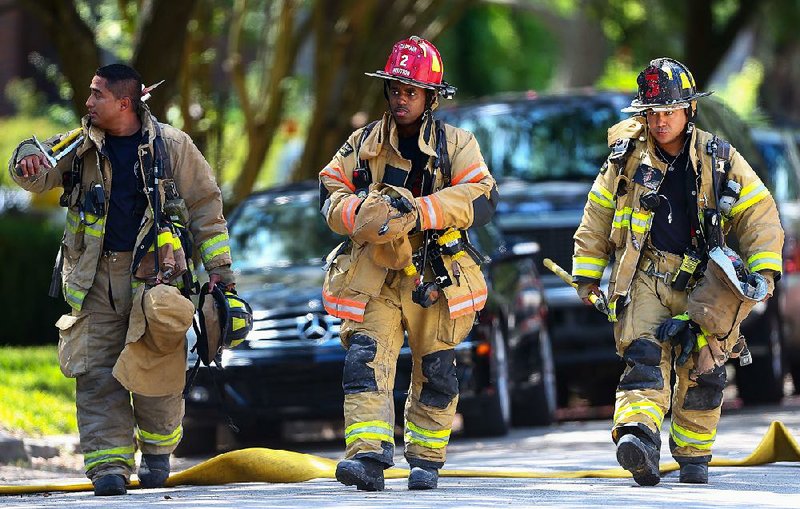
{"type": "Point", "coordinates": [127, 203]}
{"type": "Point", "coordinates": [671, 229]}
{"type": "Point", "coordinates": [409, 149]}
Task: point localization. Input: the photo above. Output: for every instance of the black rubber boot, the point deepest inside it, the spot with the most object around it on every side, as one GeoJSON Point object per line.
{"type": "Point", "coordinates": [640, 459]}
{"type": "Point", "coordinates": [423, 478]}
{"type": "Point", "coordinates": [109, 485]}
{"type": "Point", "coordinates": [154, 470]}
{"type": "Point", "coordinates": [694, 473]}
{"type": "Point", "coordinates": [365, 473]}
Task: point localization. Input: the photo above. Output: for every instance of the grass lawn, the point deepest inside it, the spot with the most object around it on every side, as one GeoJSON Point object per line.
{"type": "Point", "coordinates": [37, 399]}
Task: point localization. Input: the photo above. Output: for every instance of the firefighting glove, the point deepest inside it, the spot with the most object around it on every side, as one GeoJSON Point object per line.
{"type": "Point", "coordinates": [681, 331]}
{"type": "Point", "coordinates": [401, 204]}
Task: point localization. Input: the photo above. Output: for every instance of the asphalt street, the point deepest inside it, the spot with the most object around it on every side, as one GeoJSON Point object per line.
{"type": "Point", "coordinates": [563, 447]}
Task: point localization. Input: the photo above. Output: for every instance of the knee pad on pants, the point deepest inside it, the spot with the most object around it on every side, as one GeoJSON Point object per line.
{"type": "Point", "coordinates": [357, 376]}
{"type": "Point", "coordinates": [707, 394]}
{"type": "Point", "coordinates": [441, 386]}
{"type": "Point", "coordinates": [643, 359]}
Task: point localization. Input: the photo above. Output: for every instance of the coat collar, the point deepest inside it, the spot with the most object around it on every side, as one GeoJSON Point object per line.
{"type": "Point", "coordinates": [650, 158]}
{"type": "Point", "coordinates": [97, 136]}
{"type": "Point", "coordinates": [387, 130]}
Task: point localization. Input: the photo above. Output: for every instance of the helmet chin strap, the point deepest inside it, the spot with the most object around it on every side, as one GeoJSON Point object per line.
{"type": "Point", "coordinates": [430, 97]}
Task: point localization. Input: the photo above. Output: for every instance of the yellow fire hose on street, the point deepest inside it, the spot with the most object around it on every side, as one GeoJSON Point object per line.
{"type": "Point", "coordinates": [277, 466]}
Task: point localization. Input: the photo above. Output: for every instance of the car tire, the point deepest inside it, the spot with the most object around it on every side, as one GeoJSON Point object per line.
{"type": "Point", "coordinates": [198, 440]}
{"type": "Point", "coordinates": [535, 403]}
{"type": "Point", "coordinates": [490, 414]}
{"type": "Point", "coordinates": [762, 381]}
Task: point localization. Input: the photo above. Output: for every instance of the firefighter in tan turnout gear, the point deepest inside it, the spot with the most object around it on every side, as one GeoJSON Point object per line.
{"type": "Point", "coordinates": [124, 340]}
{"type": "Point", "coordinates": [661, 206]}
{"type": "Point", "coordinates": [403, 190]}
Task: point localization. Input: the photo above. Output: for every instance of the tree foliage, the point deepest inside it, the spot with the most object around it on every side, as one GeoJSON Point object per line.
{"type": "Point", "coordinates": [158, 42]}
{"type": "Point", "coordinates": [237, 70]}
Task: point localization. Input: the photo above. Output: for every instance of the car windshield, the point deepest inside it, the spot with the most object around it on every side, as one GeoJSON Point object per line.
{"type": "Point", "coordinates": [540, 140]}
{"type": "Point", "coordinates": [280, 230]}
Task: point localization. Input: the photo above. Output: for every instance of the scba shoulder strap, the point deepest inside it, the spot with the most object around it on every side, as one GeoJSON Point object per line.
{"type": "Point", "coordinates": [362, 175]}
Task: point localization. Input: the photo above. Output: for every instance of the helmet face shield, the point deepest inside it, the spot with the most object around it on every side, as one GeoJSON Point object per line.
{"type": "Point", "coordinates": [670, 107]}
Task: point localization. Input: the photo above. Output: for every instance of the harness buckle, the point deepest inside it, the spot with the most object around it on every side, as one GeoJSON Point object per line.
{"type": "Point", "coordinates": [666, 277]}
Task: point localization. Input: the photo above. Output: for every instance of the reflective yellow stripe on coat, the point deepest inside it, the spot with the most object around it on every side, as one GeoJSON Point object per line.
{"type": "Point", "coordinates": [602, 196]}
{"type": "Point", "coordinates": [638, 222]}
{"type": "Point", "coordinates": [587, 266]}
{"type": "Point", "coordinates": [765, 260]}
{"type": "Point", "coordinates": [749, 196]}
{"type": "Point", "coordinates": [215, 246]}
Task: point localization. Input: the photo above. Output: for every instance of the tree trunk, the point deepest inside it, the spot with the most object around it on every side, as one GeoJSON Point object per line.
{"type": "Point", "coordinates": [706, 45]}
{"type": "Point", "coordinates": [350, 40]}
{"type": "Point", "coordinates": [74, 43]}
{"type": "Point", "coordinates": [779, 94]}
{"type": "Point", "coordinates": [262, 117]}
{"type": "Point", "coordinates": [159, 47]}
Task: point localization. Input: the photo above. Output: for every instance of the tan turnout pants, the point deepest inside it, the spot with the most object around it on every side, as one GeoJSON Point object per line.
{"type": "Point", "coordinates": [369, 372]}
{"type": "Point", "coordinates": [111, 420]}
{"type": "Point", "coordinates": [643, 393]}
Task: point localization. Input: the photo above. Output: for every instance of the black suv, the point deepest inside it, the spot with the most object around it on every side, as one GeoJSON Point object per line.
{"type": "Point", "coordinates": [545, 151]}
{"type": "Point", "coordinates": [290, 366]}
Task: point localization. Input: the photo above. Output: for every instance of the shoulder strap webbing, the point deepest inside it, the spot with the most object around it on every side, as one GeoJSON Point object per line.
{"type": "Point", "coordinates": [362, 175]}
{"type": "Point", "coordinates": [443, 158]}
{"type": "Point", "coordinates": [162, 156]}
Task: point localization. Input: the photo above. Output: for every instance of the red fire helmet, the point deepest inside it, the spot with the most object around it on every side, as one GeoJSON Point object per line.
{"type": "Point", "coordinates": [417, 62]}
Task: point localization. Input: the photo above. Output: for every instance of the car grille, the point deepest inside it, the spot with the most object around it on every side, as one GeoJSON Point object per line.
{"type": "Point", "coordinates": [315, 327]}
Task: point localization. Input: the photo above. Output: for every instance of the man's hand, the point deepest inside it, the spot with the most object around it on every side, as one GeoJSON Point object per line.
{"type": "Point", "coordinates": [679, 332]}
{"type": "Point", "coordinates": [586, 289]}
{"type": "Point", "coordinates": [213, 279]}
{"type": "Point", "coordinates": [222, 274]}
{"type": "Point", "coordinates": [31, 165]}
{"type": "Point", "coordinates": [770, 277]}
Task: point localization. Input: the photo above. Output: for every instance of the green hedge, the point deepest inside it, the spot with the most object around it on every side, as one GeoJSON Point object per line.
{"type": "Point", "coordinates": [28, 246]}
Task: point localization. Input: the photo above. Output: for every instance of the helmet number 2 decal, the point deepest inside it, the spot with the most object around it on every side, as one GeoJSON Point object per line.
{"type": "Point", "coordinates": [403, 60]}
{"type": "Point", "coordinates": [653, 89]}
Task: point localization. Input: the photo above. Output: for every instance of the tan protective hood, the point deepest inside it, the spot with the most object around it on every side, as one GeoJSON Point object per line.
{"type": "Point", "coordinates": [720, 301]}
{"type": "Point", "coordinates": [153, 362]}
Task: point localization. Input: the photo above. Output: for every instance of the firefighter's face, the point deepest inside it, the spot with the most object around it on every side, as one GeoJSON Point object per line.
{"type": "Point", "coordinates": [406, 102]}
{"type": "Point", "coordinates": [103, 108]}
{"type": "Point", "coordinates": [668, 128]}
